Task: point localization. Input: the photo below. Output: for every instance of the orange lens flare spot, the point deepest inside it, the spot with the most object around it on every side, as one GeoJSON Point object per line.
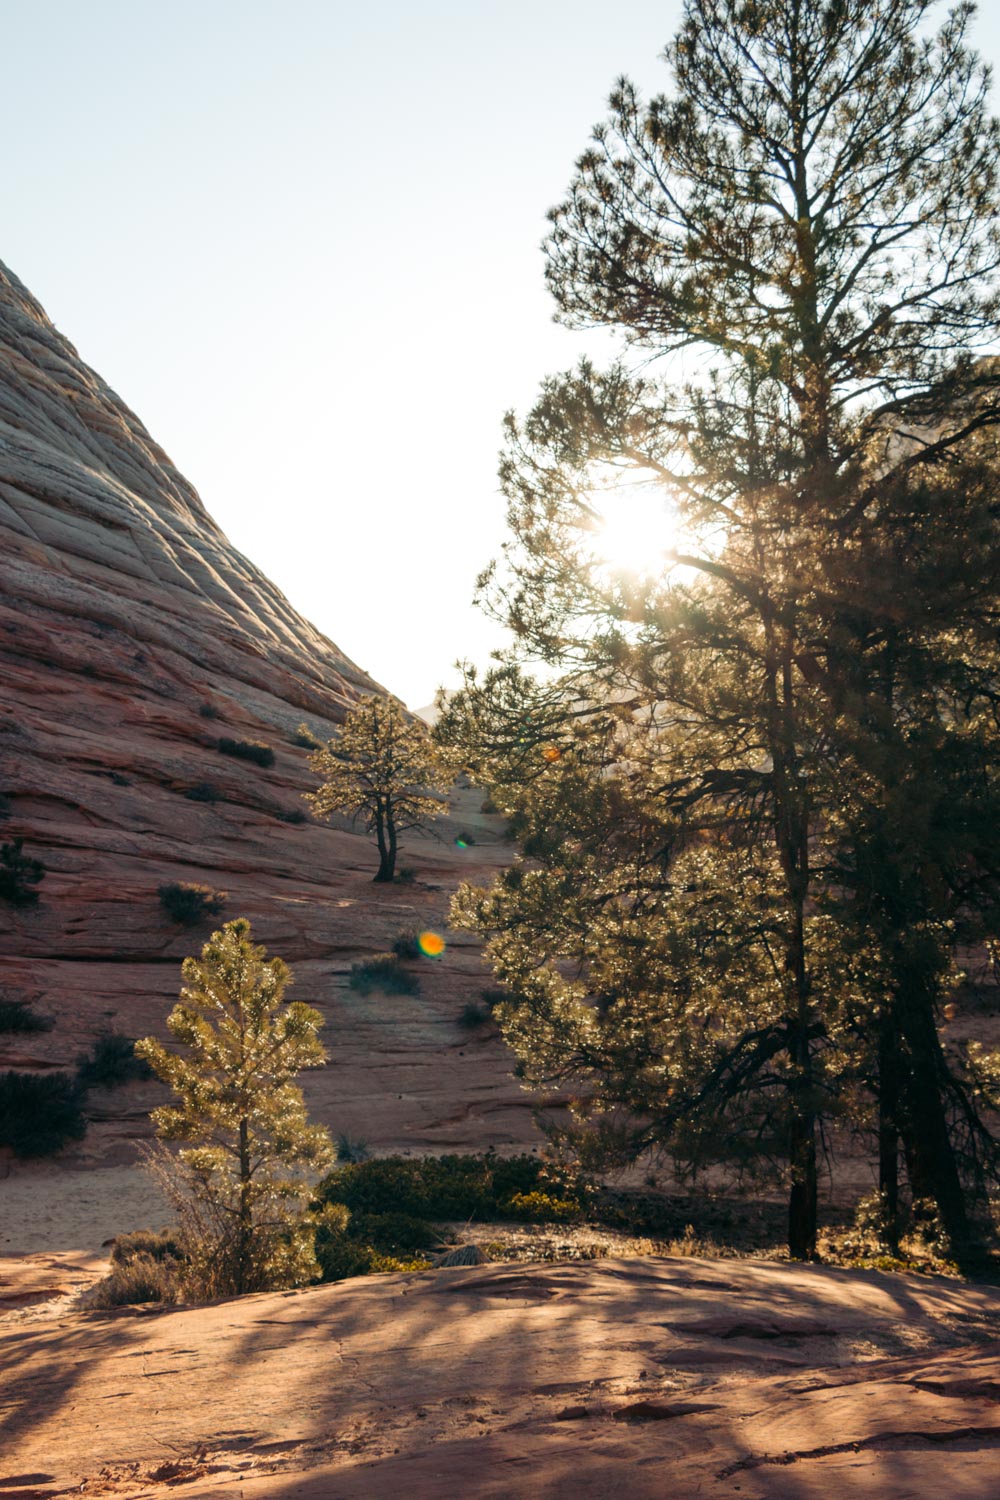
{"type": "Point", "coordinates": [431, 944]}
{"type": "Point", "coordinates": [551, 752]}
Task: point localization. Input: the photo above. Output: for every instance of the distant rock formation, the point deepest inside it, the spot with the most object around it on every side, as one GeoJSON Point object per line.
{"type": "Point", "coordinates": [133, 639]}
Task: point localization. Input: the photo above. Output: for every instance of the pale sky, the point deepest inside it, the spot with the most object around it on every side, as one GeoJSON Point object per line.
{"type": "Point", "coordinates": [300, 238]}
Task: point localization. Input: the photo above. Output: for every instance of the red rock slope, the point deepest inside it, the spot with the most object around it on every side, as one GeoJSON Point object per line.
{"type": "Point", "coordinates": [583, 1381]}
{"type": "Point", "coordinates": [133, 636]}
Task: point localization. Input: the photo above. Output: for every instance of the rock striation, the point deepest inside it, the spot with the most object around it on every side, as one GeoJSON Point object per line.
{"type": "Point", "coordinates": [133, 638]}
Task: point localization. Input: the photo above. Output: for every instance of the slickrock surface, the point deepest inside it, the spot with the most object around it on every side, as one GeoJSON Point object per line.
{"type": "Point", "coordinates": [133, 637]}
{"type": "Point", "coordinates": [640, 1378]}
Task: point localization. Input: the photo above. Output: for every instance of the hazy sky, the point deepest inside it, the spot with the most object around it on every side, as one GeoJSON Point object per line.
{"type": "Point", "coordinates": [300, 238]}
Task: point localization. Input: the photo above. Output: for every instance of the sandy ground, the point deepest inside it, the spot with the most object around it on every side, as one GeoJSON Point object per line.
{"type": "Point", "coordinates": [46, 1208]}
{"type": "Point", "coordinates": [655, 1379]}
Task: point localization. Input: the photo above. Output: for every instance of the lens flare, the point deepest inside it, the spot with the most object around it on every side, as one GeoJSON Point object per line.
{"type": "Point", "coordinates": [635, 533]}
{"type": "Point", "coordinates": [462, 843]}
{"type": "Point", "coordinates": [431, 944]}
{"type": "Point", "coordinates": [551, 753]}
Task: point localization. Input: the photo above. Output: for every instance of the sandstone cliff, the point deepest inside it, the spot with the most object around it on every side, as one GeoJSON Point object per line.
{"type": "Point", "coordinates": [132, 637]}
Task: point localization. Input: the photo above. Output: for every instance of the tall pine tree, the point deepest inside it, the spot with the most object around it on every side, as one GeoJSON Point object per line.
{"type": "Point", "coordinates": [810, 218]}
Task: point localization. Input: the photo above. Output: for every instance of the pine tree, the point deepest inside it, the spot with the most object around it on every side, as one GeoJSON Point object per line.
{"type": "Point", "coordinates": [813, 217]}
{"type": "Point", "coordinates": [385, 768]}
{"type": "Point", "coordinates": [241, 1187]}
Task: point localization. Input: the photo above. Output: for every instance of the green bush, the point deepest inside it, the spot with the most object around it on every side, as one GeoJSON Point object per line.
{"type": "Point", "coordinates": [383, 972]}
{"type": "Point", "coordinates": [15, 1016]}
{"type": "Point", "coordinates": [406, 947]}
{"type": "Point", "coordinates": [111, 1061]}
{"type": "Point", "coordinates": [452, 1187]}
{"type": "Point", "coordinates": [351, 1148]}
{"type": "Point", "coordinates": [40, 1114]}
{"type": "Point", "coordinates": [472, 1016]}
{"type": "Point", "coordinates": [393, 1233]}
{"type": "Point", "coordinates": [19, 875]}
{"type": "Point", "coordinates": [542, 1208]}
{"type": "Point", "coordinates": [203, 791]}
{"type": "Point", "coordinates": [358, 1245]}
{"type": "Point", "coordinates": [208, 710]}
{"type": "Point", "coordinates": [292, 815]}
{"type": "Point", "coordinates": [190, 904]}
{"type": "Point", "coordinates": [252, 750]}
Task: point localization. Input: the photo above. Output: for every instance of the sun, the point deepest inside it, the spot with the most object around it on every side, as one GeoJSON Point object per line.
{"type": "Point", "coordinates": [635, 534]}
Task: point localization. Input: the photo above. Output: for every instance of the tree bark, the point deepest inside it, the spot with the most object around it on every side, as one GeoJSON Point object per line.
{"type": "Point", "coordinates": [933, 1165]}
{"type": "Point", "coordinates": [888, 1124]}
{"type": "Point", "coordinates": [385, 833]}
{"type": "Point", "coordinates": [244, 1233]}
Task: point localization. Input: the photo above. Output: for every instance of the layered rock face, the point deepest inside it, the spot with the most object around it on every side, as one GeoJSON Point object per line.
{"type": "Point", "coordinates": [133, 637]}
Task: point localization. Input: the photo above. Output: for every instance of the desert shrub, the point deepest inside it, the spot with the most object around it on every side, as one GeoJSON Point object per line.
{"type": "Point", "coordinates": [304, 736]}
{"type": "Point", "coordinates": [406, 876]}
{"type": "Point", "coordinates": [393, 1233]}
{"type": "Point", "coordinates": [120, 779]}
{"type": "Point", "coordinates": [472, 1016]}
{"type": "Point", "coordinates": [542, 1208]}
{"type": "Point", "coordinates": [157, 1244]}
{"type": "Point", "coordinates": [19, 875]}
{"type": "Point", "coordinates": [4, 807]}
{"type": "Point", "coordinates": [142, 1278]}
{"type": "Point", "coordinates": [383, 972]}
{"type": "Point", "coordinates": [351, 1148]}
{"type": "Point", "coordinates": [406, 947]}
{"type": "Point", "coordinates": [40, 1114]}
{"type": "Point", "coordinates": [359, 1245]}
{"type": "Point", "coordinates": [189, 904]}
{"type": "Point", "coordinates": [111, 1061]}
{"type": "Point", "coordinates": [208, 710]}
{"type": "Point", "coordinates": [203, 791]}
{"type": "Point", "coordinates": [16, 1016]}
{"type": "Point", "coordinates": [252, 750]}
{"type": "Point", "coordinates": [488, 806]}
{"type": "Point", "coordinates": [453, 1187]}
{"type": "Point", "coordinates": [339, 1257]}
{"type": "Point", "coordinates": [292, 815]}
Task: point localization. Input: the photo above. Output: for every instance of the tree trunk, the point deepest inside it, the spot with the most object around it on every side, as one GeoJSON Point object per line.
{"type": "Point", "coordinates": [933, 1165]}
{"type": "Point", "coordinates": [888, 1124]}
{"type": "Point", "coordinates": [802, 1199]}
{"type": "Point", "coordinates": [804, 1192]}
{"type": "Point", "coordinates": [244, 1231]}
{"type": "Point", "coordinates": [385, 833]}
{"type": "Point", "coordinates": [792, 838]}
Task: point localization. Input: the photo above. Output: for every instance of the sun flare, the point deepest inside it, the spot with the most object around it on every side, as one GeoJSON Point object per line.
{"type": "Point", "coordinates": [636, 533]}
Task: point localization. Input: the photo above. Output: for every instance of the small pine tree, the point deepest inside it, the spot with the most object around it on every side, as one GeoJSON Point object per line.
{"type": "Point", "coordinates": [385, 767]}
{"type": "Point", "coordinates": [239, 1184]}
